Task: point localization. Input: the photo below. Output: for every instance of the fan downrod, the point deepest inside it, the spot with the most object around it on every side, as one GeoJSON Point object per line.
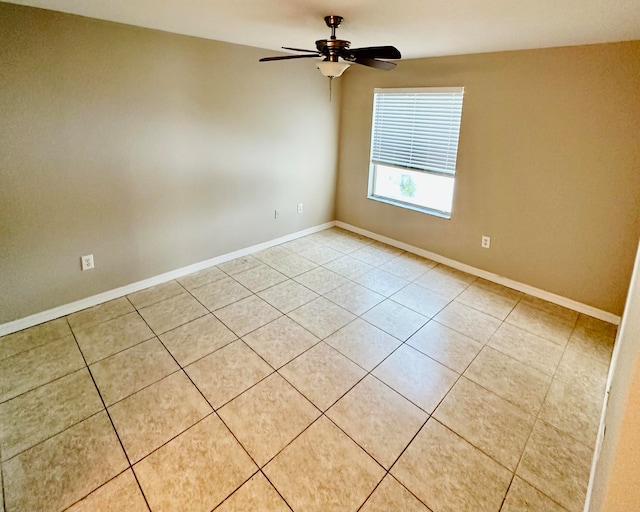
{"type": "Point", "coordinates": [333, 22]}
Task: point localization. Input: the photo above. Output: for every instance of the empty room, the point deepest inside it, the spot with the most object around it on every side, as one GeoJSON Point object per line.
{"type": "Point", "coordinates": [319, 256]}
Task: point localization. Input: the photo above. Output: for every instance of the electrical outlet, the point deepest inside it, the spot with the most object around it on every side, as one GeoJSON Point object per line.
{"type": "Point", "coordinates": [276, 214]}
{"type": "Point", "coordinates": [299, 207]}
{"type": "Point", "coordinates": [486, 242]}
{"type": "Point", "coordinates": [87, 262]}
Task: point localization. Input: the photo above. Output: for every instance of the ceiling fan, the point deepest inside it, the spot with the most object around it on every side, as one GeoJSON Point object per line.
{"type": "Point", "coordinates": [338, 55]}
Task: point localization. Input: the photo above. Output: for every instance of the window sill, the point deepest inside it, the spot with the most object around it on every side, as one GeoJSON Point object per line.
{"type": "Point", "coordinates": [409, 206]}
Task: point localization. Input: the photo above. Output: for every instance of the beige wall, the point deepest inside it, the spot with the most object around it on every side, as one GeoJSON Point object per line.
{"type": "Point", "coordinates": [150, 150]}
{"type": "Point", "coordinates": [548, 166]}
{"type": "Point", "coordinates": [615, 476]}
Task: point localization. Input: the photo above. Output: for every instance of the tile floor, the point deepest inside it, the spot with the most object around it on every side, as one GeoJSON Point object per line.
{"type": "Point", "coordinates": [328, 373]}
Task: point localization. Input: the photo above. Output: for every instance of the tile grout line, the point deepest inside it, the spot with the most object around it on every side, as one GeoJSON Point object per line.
{"type": "Point", "coordinates": [537, 417]}
{"type": "Point", "coordinates": [514, 471]}
{"type": "Point", "coordinates": [322, 413]}
{"type": "Point", "coordinates": [460, 376]}
{"type": "Point", "coordinates": [2, 491]}
{"type": "Point", "coordinates": [112, 426]}
{"type": "Point", "coordinates": [37, 346]}
{"type": "Point", "coordinates": [405, 342]}
{"type": "Point", "coordinates": [40, 386]}
{"type": "Point", "coordinates": [274, 487]}
{"type": "Point", "coordinates": [524, 446]}
{"type": "Point", "coordinates": [214, 411]}
{"type": "Point", "coordinates": [51, 436]}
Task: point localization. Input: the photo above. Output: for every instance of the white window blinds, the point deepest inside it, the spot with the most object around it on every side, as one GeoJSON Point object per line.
{"type": "Point", "coordinates": [417, 128]}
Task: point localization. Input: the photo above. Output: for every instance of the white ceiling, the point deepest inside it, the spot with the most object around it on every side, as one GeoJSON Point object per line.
{"type": "Point", "coordinates": [418, 28]}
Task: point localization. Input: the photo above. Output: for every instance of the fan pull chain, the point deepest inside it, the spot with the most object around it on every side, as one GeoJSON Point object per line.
{"type": "Point", "coordinates": [330, 82]}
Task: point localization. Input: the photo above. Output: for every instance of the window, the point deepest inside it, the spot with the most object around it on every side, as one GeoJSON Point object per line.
{"type": "Point", "coordinates": [414, 145]}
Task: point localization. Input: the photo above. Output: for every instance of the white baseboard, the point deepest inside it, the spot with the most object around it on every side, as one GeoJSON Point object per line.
{"type": "Point", "coordinates": [73, 307]}
{"type": "Point", "coordinates": [510, 283]}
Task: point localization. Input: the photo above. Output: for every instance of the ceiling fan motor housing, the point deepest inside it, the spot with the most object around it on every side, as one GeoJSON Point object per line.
{"type": "Point", "coordinates": [332, 48]}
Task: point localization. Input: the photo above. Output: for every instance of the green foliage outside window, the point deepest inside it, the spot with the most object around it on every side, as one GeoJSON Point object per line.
{"type": "Point", "coordinates": [407, 186]}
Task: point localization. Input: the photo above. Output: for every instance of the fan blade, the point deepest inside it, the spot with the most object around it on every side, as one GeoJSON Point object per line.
{"type": "Point", "coordinates": [378, 64]}
{"type": "Point", "coordinates": [299, 50]}
{"type": "Point", "coordinates": [286, 57]}
{"type": "Point", "coordinates": [375, 52]}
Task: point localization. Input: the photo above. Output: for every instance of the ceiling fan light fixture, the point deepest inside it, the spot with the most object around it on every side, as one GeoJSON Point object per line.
{"type": "Point", "coordinates": [332, 69]}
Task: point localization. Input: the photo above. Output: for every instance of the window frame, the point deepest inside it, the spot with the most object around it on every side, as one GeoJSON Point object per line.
{"type": "Point", "coordinates": [449, 173]}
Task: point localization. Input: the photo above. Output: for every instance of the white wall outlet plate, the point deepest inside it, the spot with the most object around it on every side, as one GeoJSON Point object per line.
{"type": "Point", "coordinates": [87, 262]}
{"type": "Point", "coordinates": [299, 207]}
{"type": "Point", "coordinates": [486, 242]}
